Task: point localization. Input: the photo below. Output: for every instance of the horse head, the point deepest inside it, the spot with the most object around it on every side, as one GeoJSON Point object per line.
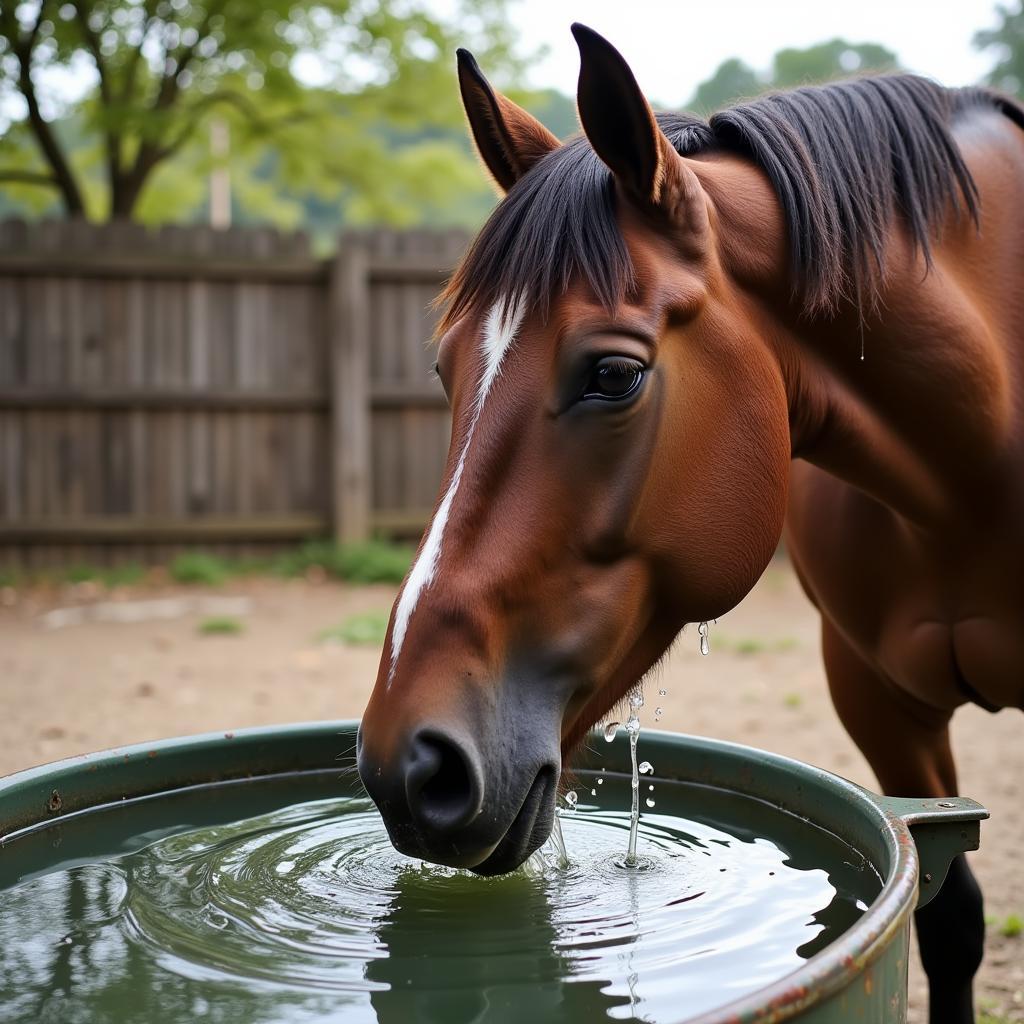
{"type": "Point", "coordinates": [617, 469]}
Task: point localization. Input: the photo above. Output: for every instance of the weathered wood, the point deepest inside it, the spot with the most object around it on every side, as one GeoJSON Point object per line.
{"type": "Point", "coordinates": [171, 266]}
{"type": "Point", "coordinates": [188, 386]}
{"type": "Point", "coordinates": [350, 391]}
{"type": "Point", "coordinates": [72, 530]}
{"type": "Point", "coordinates": [176, 398]}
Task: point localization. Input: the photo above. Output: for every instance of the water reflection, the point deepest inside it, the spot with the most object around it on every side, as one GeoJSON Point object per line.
{"type": "Point", "coordinates": [496, 960]}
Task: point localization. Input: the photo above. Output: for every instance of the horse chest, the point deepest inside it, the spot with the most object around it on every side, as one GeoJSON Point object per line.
{"type": "Point", "coordinates": [943, 621]}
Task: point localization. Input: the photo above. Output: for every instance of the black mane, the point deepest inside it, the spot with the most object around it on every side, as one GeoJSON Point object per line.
{"type": "Point", "coordinates": [844, 159]}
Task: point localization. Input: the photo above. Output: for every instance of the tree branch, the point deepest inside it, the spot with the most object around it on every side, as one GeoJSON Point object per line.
{"type": "Point", "coordinates": [28, 177]}
{"type": "Point", "coordinates": [112, 138]}
{"type": "Point", "coordinates": [45, 137]}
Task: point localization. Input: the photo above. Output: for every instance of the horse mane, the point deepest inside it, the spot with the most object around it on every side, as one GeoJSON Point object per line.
{"type": "Point", "coordinates": [844, 160]}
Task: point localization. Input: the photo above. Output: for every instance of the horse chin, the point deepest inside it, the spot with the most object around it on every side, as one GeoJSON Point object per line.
{"type": "Point", "coordinates": [529, 829]}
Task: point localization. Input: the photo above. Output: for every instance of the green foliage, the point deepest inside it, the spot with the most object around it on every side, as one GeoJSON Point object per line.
{"type": "Point", "coordinates": [196, 567]}
{"type": "Point", "coordinates": [828, 61]}
{"type": "Point", "coordinates": [367, 629]}
{"type": "Point", "coordinates": [1012, 927]}
{"type": "Point", "coordinates": [1007, 39]}
{"type": "Point", "coordinates": [125, 575]}
{"type": "Point", "coordinates": [8, 578]}
{"type": "Point", "coordinates": [331, 101]}
{"type": "Point", "coordinates": [792, 701]}
{"type": "Point", "coordinates": [372, 562]}
{"type": "Point", "coordinates": [81, 574]}
{"type": "Point", "coordinates": [221, 625]}
{"type": "Point", "coordinates": [733, 80]}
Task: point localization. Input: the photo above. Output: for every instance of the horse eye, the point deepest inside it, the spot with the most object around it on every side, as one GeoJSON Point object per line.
{"type": "Point", "coordinates": [614, 378]}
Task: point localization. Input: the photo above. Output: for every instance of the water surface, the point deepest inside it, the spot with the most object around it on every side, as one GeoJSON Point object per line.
{"type": "Point", "coordinates": [281, 901]}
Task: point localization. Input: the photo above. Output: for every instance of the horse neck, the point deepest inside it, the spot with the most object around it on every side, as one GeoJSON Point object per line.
{"type": "Point", "coordinates": [910, 400]}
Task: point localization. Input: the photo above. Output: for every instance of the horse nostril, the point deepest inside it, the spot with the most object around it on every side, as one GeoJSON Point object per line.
{"type": "Point", "coordinates": [442, 783]}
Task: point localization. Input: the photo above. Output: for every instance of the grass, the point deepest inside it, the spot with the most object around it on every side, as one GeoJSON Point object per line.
{"type": "Point", "coordinates": [1012, 927]}
{"type": "Point", "coordinates": [792, 700]}
{"type": "Point", "coordinates": [196, 567]}
{"type": "Point", "coordinates": [747, 646]}
{"type": "Point", "coordinates": [986, 1014]}
{"type": "Point", "coordinates": [367, 629]}
{"type": "Point", "coordinates": [371, 562]}
{"type": "Point", "coordinates": [221, 625]}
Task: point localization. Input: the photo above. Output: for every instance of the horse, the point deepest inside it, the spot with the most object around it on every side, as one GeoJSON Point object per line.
{"type": "Point", "coordinates": [675, 342]}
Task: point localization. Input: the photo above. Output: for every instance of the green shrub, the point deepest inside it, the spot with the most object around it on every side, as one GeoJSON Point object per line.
{"type": "Point", "coordinates": [123, 575]}
{"type": "Point", "coordinates": [1012, 926]}
{"type": "Point", "coordinates": [373, 562]}
{"type": "Point", "coordinates": [366, 629]}
{"type": "Point", "coordinates": [221, 625]}
{"type": "Point", "coordinates": [81, 574]}
{"type": "Point", "coordinates": [197, 567]}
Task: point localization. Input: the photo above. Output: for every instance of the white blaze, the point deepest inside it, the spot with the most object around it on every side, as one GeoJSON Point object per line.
{"type": "Point", "coordinates": [500, 329]}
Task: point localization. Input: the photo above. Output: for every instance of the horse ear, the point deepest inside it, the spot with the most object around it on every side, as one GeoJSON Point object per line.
{"type": "Point", "coordinates": [510, 141]}
{"type": "Point", "coordinates": [620, 123]}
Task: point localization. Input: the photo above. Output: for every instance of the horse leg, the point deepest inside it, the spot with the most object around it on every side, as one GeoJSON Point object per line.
{"type": "Point", "coordinates": [908, 749]}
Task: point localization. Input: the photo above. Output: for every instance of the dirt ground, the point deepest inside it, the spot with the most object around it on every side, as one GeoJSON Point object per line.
{"type": "Point", "coordinates": [71, 684]}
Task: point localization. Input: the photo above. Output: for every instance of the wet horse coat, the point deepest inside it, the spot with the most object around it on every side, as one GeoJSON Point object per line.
{"type": "Point", "coordinates": [670, 333]}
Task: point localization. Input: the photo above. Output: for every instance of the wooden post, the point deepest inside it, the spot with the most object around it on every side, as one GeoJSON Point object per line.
{"type": "Point", "coordinates": [349, 337]}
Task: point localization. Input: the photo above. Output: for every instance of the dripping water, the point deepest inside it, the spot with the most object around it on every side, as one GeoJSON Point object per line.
{"type": "Point", "coordinates": [633, 729]}
{"type": "Point", "coordinates": [705, 648]}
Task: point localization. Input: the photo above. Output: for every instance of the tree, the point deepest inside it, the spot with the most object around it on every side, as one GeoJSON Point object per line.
{"type": "Point", "coordinates": [732, 80]}
{"type": "Point", "coordinates": [828, 61]}
{"type": "Point", "coordinates": [160, 69]}
{"type": "Point", "coordinates": [824, 62]}
{"type": "Point", "coordinates": [1007, 38]}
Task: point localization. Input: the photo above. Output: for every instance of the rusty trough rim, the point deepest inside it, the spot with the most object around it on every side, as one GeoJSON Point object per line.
{"type": "Point", "coordinates": [38, 797]}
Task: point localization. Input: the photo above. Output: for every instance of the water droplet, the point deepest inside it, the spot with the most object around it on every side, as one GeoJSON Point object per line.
{"type": "Point", "coordinates": [600, 782]}
{"type": "Point", "coordinates": [646, 768]}
{"type": "Point", "coordinates": [636, 701]}
{"type": "Point", "coordinates": [651, 788]}
{"type": "Point", "coordinates": [593, 792]}
{"type": "Point", "coordinates": [658, 712]}
{"type": "Point", "coordinates": [610, 730]}
{"type": "Point", "coordinates": [571, 799]}
{"type": "Point", "coordinates": [649, 802]}
{"type": "Point", "coordinates": [662, 693]}
{"type": "Point", "coordinates": [702, 629]}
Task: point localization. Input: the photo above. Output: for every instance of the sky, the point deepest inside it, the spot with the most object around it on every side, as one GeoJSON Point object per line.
{"type": "Point", "coordinates": [673, 46]}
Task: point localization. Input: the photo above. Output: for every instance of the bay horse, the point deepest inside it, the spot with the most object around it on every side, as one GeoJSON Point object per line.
{"type": "Point", "coordinates": [672, 338]}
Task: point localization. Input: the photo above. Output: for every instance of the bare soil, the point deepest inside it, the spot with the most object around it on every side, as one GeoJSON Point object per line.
{"type": "Point", "coordinates": [84, 685]}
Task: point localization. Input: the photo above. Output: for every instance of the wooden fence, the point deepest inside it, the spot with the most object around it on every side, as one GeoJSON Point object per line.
{"type": "Point", "coordinates": [220, 389]}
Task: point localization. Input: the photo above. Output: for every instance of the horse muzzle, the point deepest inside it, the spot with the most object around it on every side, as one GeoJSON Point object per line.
{"type": "Point", "coordinates": [453, 798]}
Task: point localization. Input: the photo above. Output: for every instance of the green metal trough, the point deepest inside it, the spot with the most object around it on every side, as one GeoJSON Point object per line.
{"type": "Point", "coordinates": [860, 977]}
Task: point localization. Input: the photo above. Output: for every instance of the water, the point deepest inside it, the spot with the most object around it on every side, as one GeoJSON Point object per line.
{"type": "Point", "coordinates": [636, 702]}
{"type": "Point", "coordinates": [282, 901]}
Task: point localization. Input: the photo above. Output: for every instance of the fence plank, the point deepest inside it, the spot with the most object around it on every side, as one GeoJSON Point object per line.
{"type": "Point", "coordinates": [350, 328]}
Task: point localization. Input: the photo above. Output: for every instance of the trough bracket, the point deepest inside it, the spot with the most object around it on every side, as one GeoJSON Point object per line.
{"type": "Point", "coordinates": [942, 829]}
